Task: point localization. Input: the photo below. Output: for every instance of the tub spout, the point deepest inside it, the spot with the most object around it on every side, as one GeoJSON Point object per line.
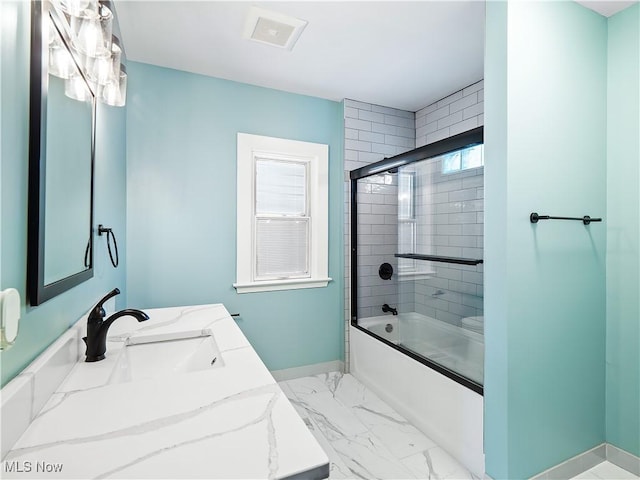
{"type": "Point", "coordinates": [386, 308]}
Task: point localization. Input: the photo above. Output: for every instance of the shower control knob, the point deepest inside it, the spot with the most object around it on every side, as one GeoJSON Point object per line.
{"type": "Point", "coordinates": [385, 271]}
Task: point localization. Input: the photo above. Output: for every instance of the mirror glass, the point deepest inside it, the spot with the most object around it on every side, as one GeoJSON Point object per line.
{"type": "Point", "coordinates": [67, 210]}
{"type": "Point", "coordinates": [60, 168]}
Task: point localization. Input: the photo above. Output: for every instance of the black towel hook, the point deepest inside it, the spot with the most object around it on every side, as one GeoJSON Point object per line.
{"type": "Point", "coordinates": [110, 235]}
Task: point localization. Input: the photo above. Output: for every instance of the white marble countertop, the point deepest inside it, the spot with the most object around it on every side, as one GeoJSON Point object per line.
{"type": "Point", "coordinates": [229, 422]}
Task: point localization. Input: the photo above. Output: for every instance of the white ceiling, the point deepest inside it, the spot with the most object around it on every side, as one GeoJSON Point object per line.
{"type": "Point", "coordinates": [392, 53]}
{"type": "Point", "coordinates": [606, 7]}
{"type": "Point", "coordinates": [397, 54]}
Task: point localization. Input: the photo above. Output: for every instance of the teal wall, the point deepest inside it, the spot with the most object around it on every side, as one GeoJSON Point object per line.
{"type": "Point", "coordinates": [181, 215]}
{"type": "Point", "coordinates": [40, 326]}
{"type": "Point", "coordinates": [496, 341]}
{"type": "Point", "coordinates": [623, 232]}
{"type": "Point", "coordinates": [561, 85]}
{"type": "Point", "coordinates": [545, 290]}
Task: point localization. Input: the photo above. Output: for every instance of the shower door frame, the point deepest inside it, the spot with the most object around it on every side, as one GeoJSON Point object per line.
{"type": "Point", "coordinates": [463, 140]}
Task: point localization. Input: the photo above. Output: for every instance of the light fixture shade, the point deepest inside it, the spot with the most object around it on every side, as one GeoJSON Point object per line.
{"type": "Point", "coordinates": [76, 7]}
{"type": "Point", "coordinates": [75, 87]}
{"type": "Point", "coordinates": [52, 33]}
{"type": "Point", "coordinates": [103, 70]}
{"type": "Point", "coordinates": [91, 32]}
{"type": "Point", "coordinates": [115, 92]}
{"type": "Point", "coordinates": [60, 61]}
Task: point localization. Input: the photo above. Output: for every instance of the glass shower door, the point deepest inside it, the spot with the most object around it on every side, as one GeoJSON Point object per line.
{"type": "Point", "coordinates": [417, 255]}
{"type": "Point", "coordinates": [440, 251]}
{"type": "Point", "coordinates": [377, 266]}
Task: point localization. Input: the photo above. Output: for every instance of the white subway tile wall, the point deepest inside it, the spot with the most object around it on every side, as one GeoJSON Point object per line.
{"type": "Point", "coordinates": [377, 244]}
{"type": "Point", "coordinates": [453, 212]}
{"type": "Point", "coordinates": [373, 132]}
{"type": "Point", "coordinates": [447, 224]}
{"type": "Point", "coordinates": [450, 210]}
{"type": "Point", "coordinates": [454, 114]}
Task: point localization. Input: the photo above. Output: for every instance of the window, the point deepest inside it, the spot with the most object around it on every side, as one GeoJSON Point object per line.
{"type": "Point", "coordinates": [282, 216]}
{"type": "Point", "coordinates": [281, 219]}
{"type": "Point", "coordinates": [406, 219]}
{"type": "Point", "coordinates": [472, 157]}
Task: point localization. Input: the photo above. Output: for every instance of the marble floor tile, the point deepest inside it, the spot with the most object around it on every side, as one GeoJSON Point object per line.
{"type": "Point", "coordinates": [334, 420]}
{"type": "Point", "coordinates": [350, 392]}
{"type": "Point", "coordinates": [367, 457]}
{"type": "Point", "coordinates": [338, 469]}
{"type": "Point", "coordinates": [363, 436]}
{"type": "Point", "coordinates": [606, 471]}
{"type": "Point", "coordinates": [463, 474]}
{"type": "Point", "coordinates": [436, 464]}
{"type": "Point", "coordinates": [400, 436]}
{"type": "Point", "coordinates": [609, 471]}
{"type": "Point", "coordinates": [286, 389]}
{"type": "Point", "coordinates": [586, 476]}
{"type": "Point", "coordinates": [444, 465]}
{"type": "Point", "coordinates": [420, 466]}
{"type": "Point", "coordinates": [314, 384]}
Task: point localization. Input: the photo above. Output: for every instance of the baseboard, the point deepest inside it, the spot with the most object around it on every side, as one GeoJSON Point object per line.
{"type": "Point", "coordinates": [623, 459]}
{"type": "Point", "coordinates": [575, 466]}
{"type": "Point", "coordinates": [307, 370]}
{"type": "Point", "coordinates": [589, 459]}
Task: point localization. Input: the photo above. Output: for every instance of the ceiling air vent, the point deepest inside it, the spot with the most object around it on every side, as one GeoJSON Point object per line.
{"type": "Point", "coordinates": [273, 28]}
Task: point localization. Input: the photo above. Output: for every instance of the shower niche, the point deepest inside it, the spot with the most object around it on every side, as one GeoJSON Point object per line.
{"type": "Point", "coordinates": [417, 255]}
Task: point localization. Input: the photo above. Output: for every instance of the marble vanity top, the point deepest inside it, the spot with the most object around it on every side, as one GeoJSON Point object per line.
{"type": "Point", "coordinates": [228, 422]}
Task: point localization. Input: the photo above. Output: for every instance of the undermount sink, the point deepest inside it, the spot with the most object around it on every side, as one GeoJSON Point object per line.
{"type": "Point", "coordinates": [144, 361]}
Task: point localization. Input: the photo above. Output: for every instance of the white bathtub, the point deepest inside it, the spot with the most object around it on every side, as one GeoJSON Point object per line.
{"type": "Point", "coordinates": [448, 412]}
{"type": "Point", "coordinates": [455, 348]}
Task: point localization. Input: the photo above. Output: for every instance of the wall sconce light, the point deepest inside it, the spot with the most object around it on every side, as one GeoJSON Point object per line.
{"type": "Point", "coordinates": [114, 93]}
{"type": "Point", "coordinates": [76, 7]}
{"type": "Point", "coordinates": [76, 88]}
{"type": "Point", "coordinates": [91, 31]}
{"type": "Point", "coordinates": [81, 32]}
{"type": "Point", "coordinates": [60, 61]}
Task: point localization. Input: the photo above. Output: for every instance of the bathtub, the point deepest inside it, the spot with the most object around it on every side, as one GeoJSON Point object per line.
{"type": "Point", "coordinates": [453, 347]}
{"type": "Point", "coordinates": [448, 412]}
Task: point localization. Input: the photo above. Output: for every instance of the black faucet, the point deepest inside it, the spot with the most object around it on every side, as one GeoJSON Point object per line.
{"type": "Point", "coordinates": [386, 308]}
{"type": "Point", "coordinates": [97, 326]}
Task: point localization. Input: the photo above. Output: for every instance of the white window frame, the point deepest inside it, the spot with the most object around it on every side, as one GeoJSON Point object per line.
{"type": "Point", "coordinates": [406, 265]}
{"type": "Point", "coordinates": [316, 155]}
{"type": "Point", "coordinates": [412, 269]}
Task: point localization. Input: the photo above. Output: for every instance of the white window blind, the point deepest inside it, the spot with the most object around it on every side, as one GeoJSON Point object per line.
{"type": "Point", "coordinates": [282, 220]}
{"type": "Point", "coordinates": [282, 248]}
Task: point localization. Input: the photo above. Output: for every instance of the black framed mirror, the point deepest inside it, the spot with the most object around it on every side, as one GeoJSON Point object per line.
{"type": "Point", "coordinates": [61, 166]}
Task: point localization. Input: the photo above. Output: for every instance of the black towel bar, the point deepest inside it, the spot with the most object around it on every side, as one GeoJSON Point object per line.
{"type": "Point", "coordinates": [534, 217]}
{"type": "Point", "coordinates": [439, 258]}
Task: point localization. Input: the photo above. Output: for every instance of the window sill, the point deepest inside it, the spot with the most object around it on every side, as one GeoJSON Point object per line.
{"type": "Point", "coordinates": [406, 276]}
{"type": "Point", "coordinates": [274, 285]}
